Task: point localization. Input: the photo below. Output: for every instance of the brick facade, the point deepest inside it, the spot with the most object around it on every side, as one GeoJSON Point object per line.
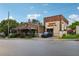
{"type": "Point", "coordinates": [57, 23]}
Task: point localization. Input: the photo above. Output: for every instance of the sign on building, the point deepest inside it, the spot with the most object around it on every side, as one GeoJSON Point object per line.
{"type": "Point", "coordinates": [50, 24]}
{"type": "Point", "coordinates": [77, 29]}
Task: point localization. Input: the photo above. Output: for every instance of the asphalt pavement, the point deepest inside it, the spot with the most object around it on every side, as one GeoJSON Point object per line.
{"type": "Point", "coordinates": [22, 47]}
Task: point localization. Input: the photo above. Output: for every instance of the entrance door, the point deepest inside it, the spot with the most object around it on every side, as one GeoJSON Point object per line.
{"type": "Point", "coordinates": [50, 31]}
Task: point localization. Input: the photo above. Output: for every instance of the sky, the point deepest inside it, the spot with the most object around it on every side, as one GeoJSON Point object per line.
{"type": "Point", "coordinates": [24, 11]}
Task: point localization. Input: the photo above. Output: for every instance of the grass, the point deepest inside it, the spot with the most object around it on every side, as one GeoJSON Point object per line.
{"type": "Point", "coordinates": [71, 36]}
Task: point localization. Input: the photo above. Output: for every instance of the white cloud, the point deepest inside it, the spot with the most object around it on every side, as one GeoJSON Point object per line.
{"type": "Point", "coordinates": [33, 16]}
{"type": "Point", "coordinates": [78, 8]}
{"type": "Point", "coordinates": [73, 17]}
{"type": "Point", "coordinates": [10, 17]}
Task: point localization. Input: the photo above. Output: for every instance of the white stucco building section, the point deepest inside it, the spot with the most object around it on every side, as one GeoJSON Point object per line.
{"type": "Point", "coordinates": [77, 29]}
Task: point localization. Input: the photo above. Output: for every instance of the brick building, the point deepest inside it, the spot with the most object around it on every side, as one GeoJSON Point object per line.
{"type": "Point", "coordinates": [56, 25]}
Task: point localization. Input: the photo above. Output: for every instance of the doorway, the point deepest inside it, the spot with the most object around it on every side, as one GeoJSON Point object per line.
{"type": "Point", "coordinates": [50, 31]}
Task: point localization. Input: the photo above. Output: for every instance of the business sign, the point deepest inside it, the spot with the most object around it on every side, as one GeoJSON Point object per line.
{"type": "Point", "coordinates": [50, 25]}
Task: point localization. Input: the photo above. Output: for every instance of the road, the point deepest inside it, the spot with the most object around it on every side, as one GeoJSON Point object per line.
{"type": "Point", "coordinates": [21, 47]}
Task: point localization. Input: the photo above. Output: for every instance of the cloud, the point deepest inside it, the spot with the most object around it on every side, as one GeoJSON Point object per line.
{"type": "Point", "coordinates": [78, 8]}
{"type": "Point", "coordinates": [10, 17]}
{"type": "Point", "coordinates": [33, 16]}
{"type": "Point", "coordinates": [73, 17]}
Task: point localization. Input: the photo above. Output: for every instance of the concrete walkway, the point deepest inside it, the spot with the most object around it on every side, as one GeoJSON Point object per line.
{"type": "Point", "coordinates": [49, 38]}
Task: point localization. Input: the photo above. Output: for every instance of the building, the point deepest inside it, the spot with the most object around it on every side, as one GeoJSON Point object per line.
{"type": "Point", "coordinates": [30, 27]}
{"type": "Point", "coordinates": [77, 29]}
{"type": "Point", "coordinates": [56, 25]}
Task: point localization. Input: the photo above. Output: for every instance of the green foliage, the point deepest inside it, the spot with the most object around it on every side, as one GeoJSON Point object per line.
{"type": "Point", "coordinates": [15, 35]}
{"type": "Point", "coordinates": [23, 23]}
{"type": "Point", "coordinates": [4, 25]}
{"type": "Point", "coordinates": [71, 36]}
{"type": "Point", "coordinates": [11, 23]}
{"type": "Point", "coordinates": [73, 25]}
{"type": "Point", "coordinates": [35, 21]}
{"type": "Point", "coordinates": [2, 36]}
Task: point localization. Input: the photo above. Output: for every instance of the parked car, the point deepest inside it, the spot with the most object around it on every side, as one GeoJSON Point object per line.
{"type": "Point", "coordinates": [46, 35]}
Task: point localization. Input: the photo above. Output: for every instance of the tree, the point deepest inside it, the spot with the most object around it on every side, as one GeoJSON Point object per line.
{"type": "Point", "coordinates": [73, 25]}
{"type": "Point", "coordinates": [5, 23]}
{"type": "Point", "coordinates": [23, 23]}
{"type": "Point", "coordinates": [35, 21]}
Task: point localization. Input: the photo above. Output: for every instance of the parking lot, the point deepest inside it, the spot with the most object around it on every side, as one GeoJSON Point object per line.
{"type": "Point", "coordinates": [22, 47]}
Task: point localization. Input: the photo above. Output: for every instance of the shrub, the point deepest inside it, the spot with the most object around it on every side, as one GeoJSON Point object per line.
{"type": "Point", "coordinates": [21, 35]}
{"type": "Point", "coordinates": [70, 36]}
{"type": "Point", "coordinates": [2, 36]}
{"type": "Point", "coordinates": [77, 35]}
{"type": "Point", "coordinates": [64, 35]}
{"type": "Point", "coordinates": [13, 35]}
{"type": "Point", "coordinates": [70, 32]}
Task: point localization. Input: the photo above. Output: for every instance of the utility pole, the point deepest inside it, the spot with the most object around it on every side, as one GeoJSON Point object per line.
{"type": "Point", "coordinates": [60, 24]}
{"type": "Point", "coordinates": [8, 22]}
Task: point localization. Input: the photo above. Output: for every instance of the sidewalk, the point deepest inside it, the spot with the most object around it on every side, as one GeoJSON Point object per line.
{"type": "Point", "coordinates": [50, 38]}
